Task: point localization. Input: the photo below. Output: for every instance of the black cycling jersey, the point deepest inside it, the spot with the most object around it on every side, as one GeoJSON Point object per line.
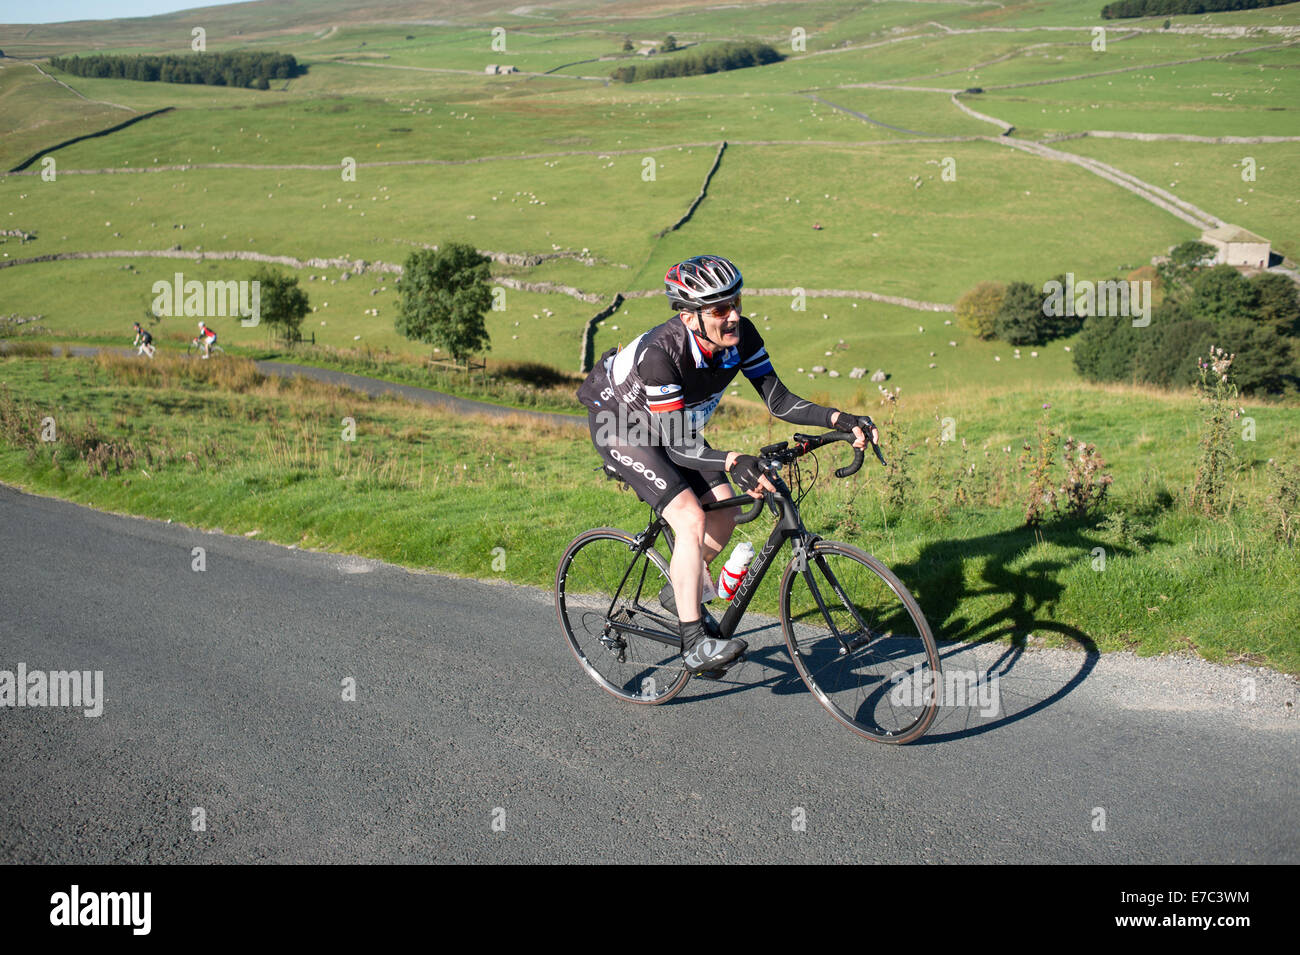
{"type": "Point", "coordinates": [145, 337]}
{"type": "Point", "coordinates": [665, 378]}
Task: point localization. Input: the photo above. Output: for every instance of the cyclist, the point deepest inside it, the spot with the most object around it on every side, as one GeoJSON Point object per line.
{"type": "Point", "coordinates": [207, 338]}
{"type": "Point", "coordinates": [143, 340]}
{"type": "Point", "coordinates": [646, 405]}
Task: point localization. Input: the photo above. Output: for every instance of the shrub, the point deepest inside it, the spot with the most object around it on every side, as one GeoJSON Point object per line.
{"type": "Point", "coordinates": [978, 308]}
{"type": "Point", "coordinates": [1085, 485]}
{"type": "Point", "coordinates": [1166, 351]}
{"type": "Point", "coordinates": [1282, 507]}
{"type": "Point", "coordinates": [1041, 494]}
{"type": "Point", "coordinates": [1217, 394]}
{"type": "Point", "coordinates": [1105, 350]}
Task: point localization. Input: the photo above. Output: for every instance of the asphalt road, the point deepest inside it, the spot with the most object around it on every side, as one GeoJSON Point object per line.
{"type": "Point", "coordinates": [475, 737]}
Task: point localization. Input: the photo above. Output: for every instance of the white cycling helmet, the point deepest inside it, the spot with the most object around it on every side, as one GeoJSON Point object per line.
{"type": "Point", "coordinates": [702, 280]}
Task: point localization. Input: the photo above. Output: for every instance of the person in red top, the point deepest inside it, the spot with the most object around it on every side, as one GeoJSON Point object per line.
{"type": "Point", "coordinates": [207, 338]}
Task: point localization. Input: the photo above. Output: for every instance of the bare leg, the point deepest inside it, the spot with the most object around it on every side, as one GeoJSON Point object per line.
{"type": "Point", "coordinates": [718, 527]}
{"type": "Point", "coordinates": [687, 567]}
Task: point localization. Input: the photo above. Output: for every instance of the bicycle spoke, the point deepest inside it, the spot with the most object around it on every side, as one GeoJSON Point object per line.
{"type": "Point", "coordinates": [599, 586]}
{"type": "Point", "coordinates": [867, 654]}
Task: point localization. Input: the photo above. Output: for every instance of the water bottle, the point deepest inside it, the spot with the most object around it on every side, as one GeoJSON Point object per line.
{"type": "Point", "coordinates": [734, 570]}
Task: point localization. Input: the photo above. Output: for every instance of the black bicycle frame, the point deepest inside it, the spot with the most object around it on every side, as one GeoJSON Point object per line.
{"type": "Point", "coordinates": [788, 526]}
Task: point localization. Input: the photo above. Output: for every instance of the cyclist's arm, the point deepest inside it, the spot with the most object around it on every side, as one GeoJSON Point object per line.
{"type": "Point", "coordinates": [780, 401]}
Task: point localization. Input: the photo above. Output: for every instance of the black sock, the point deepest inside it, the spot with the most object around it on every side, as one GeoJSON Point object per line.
{"type": "Point", "coordinates": [691, 632]}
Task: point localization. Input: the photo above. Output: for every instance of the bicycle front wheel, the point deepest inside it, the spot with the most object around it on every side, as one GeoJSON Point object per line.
{"type": "Point", "coordinates": [861, 643]}
{"type": "Point", "coordinates": [601, 590]}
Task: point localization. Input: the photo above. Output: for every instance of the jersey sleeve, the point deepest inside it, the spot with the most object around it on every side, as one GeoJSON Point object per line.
{"type": "Point", "coordinates": [670, 424]}
{"type": "Point", "coordinates": [662, 382]}
{"type": "Point", "coordinates": [780, 401]}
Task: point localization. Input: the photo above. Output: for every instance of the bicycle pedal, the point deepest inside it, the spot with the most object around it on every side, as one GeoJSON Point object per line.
{"type": "Point", "coordinates": [719, 673]}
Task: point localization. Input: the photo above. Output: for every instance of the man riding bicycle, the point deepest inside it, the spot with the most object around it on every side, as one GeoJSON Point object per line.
{"type": "Point", "coordinates": [647, 404]}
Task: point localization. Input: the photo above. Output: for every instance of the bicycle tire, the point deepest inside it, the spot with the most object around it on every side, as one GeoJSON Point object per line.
{"type": "Point", "coordinates": [885, 687]}
{"type": "Point", "coordinates": [627, 666]}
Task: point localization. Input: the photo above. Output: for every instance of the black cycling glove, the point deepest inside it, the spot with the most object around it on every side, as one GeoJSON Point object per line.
{"type": "Point", "coordinates": [847, 422]}
{"type": "Point", "coordinates": [746, 472]}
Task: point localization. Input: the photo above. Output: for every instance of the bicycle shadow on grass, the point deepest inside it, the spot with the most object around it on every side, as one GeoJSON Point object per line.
{"type": "Point", "coordinates": [985, 686]}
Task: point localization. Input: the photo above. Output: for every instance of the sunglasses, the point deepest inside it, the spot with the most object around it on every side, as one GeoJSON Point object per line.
{"type": "Point", "coordinates": [719, 312]}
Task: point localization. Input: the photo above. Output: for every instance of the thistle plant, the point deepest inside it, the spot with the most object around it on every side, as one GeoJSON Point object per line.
{"type": "Point", "coordinates": [1218, 395]}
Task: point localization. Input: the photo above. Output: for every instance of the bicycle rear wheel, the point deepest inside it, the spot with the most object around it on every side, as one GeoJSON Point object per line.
{"type": "Point", "coordinates": [601, 585]}
{"type": "Point", "coordinates": [861, 643]}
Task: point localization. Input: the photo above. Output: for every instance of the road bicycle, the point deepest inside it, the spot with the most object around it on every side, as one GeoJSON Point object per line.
{"type": "Point", "coordinates": [196, 348]}
{"type": "Point", "coordinates": [856, 636]}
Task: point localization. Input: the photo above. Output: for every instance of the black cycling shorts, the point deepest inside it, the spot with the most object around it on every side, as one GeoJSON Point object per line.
{"type": "Point", "coordinates": [651, 473]}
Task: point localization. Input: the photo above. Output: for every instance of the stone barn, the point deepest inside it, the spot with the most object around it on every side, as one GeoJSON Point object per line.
{"type": "Point", "coordinates": [1235, 246]}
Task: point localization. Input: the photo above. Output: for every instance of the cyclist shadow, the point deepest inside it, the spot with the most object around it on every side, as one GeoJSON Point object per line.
{"type": "Point", "coordinates": [988, 683]}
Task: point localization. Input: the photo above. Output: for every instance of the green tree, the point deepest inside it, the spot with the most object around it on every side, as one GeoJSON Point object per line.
{"type": "Point", "coordinates": [1279, 302]}
{"type": "Point", "coordinates": [670, 43]}
{"type": "Point", "coordinates": [1020, 320]}
{"type": "Point", "coordinates": [283, 303]}
{"type": "Point", "coordinates": [977, 309]}
{"type": "Point", "coordinates": [1185, 260]}
{"type": "Point", "coordinates": [627, 45]}
{"type": "Point", "coordinates": [1059, 324]}
{"type": "Point", "coordinates": [1223, 294]}
{"type": "Point", "coordinates": [1166, 352]}
{"type": "Point", "coordinates": [443, 297]}
{"type": "Point", "coordinates": [1264, 360]}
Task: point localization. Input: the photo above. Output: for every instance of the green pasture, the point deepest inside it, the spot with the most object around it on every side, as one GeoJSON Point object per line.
{"type": "Point", "coordinates": [1007, 216]}
{"type": "Point", "coordinates": [36, 112]}
{"type": "Point", "coordinates": [931, 114]}
{"type": "Point", "coordinates": [518, 206]}
{"type": "Point", "coordinates": [1251, 95]}
{"type": "Point", "coordinates": [1058, 56]}
{"type": "Point", "coordinates": [1211, 176]}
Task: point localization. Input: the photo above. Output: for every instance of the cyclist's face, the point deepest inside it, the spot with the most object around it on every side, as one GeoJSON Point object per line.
{"type": "Point", "coordinates": [721, 322]}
